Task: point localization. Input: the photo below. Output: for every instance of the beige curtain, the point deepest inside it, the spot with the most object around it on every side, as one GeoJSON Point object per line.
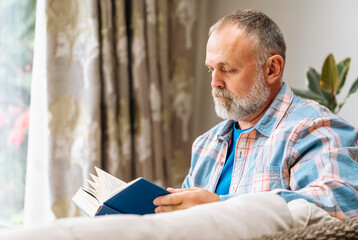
{"type": "Point", "coordinates": [113, 86]}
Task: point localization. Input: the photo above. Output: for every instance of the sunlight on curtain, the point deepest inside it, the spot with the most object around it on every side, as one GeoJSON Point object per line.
{"type": "Point", "coordinates": [112, 87]}
{"type": "Point", "coordinates": [17, 24]}
{"type": "Point", "coordinates": [36, 175]}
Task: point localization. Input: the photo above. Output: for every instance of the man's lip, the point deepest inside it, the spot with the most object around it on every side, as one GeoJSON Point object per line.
{"type": "Point", "coordinates": [221, 97]}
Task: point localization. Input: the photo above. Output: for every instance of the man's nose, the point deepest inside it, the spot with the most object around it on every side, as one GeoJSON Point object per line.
{"type": "Point", "coordinates": [216, 80]}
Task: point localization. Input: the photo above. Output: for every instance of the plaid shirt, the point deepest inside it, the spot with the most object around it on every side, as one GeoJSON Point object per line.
{"type": "Point", "coordinates": [298, 149]}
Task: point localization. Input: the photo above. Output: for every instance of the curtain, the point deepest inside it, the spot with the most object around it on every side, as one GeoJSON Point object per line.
{"type": "Point", "coordinates": [112, 87]}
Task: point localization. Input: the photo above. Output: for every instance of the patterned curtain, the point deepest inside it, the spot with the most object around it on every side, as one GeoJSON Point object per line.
{"type": "Point", "coordinates": [112, 87]}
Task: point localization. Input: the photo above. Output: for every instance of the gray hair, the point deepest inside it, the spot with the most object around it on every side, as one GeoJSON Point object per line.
{"type": "Point", "coordinates": [257, 26]}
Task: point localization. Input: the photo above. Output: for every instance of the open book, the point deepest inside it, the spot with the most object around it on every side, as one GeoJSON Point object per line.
{"type": "Point", "coordinates": [109, 195]}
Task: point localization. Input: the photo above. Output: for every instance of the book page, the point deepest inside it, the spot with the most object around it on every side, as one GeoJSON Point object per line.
{"type": "Point", "coordinates": [93, 191]}
{"type": "Point", "coordinates": [86, 202]}
{"type": "Point", "coordinates": [105, 183]}
{"type": "Point", "coordinates": [96, 187]}
{"type": "Point", "coordinates": [120, 188]}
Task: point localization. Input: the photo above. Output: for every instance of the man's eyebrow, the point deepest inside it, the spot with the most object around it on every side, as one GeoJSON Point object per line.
{"type": "Point", "coordinates": [218, 64]}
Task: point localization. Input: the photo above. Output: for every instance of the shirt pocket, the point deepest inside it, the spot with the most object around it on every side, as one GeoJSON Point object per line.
{"type": "Point", "coordinates": [267, 178]}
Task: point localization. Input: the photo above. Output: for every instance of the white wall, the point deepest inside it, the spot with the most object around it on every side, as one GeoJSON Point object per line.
{"type": "Point", "coordinates": [312, 29]}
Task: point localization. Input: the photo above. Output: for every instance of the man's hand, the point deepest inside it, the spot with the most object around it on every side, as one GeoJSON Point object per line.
{"type": "Point", "coordinates": [184, 198]}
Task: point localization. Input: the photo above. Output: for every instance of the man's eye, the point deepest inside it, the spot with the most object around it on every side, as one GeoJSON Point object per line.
{"type": "Point", "coordinates": [227, 70]}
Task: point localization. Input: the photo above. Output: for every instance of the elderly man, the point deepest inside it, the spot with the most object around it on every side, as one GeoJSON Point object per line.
{"type": "Point", "coordinates": [271, 140]}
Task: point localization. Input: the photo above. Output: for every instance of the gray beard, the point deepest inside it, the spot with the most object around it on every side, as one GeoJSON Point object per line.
{"type": "Point", "coordinates": [238, 109]}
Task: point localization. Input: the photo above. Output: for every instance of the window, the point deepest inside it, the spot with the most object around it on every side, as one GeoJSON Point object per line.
{"type": "Point", "coordinates": [17, 27]}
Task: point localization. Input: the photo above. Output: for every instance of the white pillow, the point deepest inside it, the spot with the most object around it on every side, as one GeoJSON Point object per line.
{"type": "Point", "coordinates": [246, 216]}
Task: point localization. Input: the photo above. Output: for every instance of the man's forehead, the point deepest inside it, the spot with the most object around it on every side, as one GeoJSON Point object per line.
{"type": "Point", "coordinates": [229, 51]}
{"type": "Point", "coordinates": [228, 36]}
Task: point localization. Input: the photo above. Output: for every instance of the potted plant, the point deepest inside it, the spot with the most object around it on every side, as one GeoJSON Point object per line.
{"type": "Point", "coordinates": [325, 87]}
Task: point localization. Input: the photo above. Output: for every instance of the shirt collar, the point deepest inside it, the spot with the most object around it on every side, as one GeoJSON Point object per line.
{"type": "Point", "coordinates": [226, 130]}
{"type": "Point", "coordinates": [277, 110]}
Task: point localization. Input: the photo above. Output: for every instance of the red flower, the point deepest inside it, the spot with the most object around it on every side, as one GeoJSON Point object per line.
{"type": "Point", "coordinates": [17, 134]}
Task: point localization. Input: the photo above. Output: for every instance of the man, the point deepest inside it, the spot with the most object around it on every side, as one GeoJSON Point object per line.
{"type": "Point", "coordinates": [271, 140]}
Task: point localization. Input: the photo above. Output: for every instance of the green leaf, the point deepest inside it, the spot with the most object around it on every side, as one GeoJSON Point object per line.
{"type": "Point", "coordinates": [354, 88]}
{"type": "Point", "coordinates": [329, 74]}
{"type": "Point", "coordinates": [332, 106]}
{"type": "Point", "coordinates": [328, 98]}
{"type": "Point", "coordinates": [313, 78]}
{"type": "Point", "coordinates": [343, 68]}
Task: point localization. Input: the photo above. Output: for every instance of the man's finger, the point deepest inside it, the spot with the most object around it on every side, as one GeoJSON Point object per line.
{"type": "Point", "coordinates": [177, 190]}
{"type": "Point", "coordinates": [164, 209]}
{"type": "Point", "coordinates": [170, 199]}
{"type": "Point", "coordinates": [169, 208]}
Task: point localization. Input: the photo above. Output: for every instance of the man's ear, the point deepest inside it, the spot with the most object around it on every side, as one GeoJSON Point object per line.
{"type": "Point", "coordinates": [274, 68]}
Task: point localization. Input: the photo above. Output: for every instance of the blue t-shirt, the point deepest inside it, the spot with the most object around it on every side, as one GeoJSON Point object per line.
{"type": "Point", "coordinates": [225, 178]}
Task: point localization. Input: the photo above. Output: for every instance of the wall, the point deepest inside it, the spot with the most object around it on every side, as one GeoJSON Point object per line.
{"type": "Point", "coordinates": [312, 30]}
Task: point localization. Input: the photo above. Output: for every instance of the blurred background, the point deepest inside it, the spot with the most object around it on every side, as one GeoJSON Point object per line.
{"type": "Point", "coordinates": [17, 28]}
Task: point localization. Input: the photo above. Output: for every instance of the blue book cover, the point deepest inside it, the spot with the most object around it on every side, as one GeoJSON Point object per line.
{"type": "Point", "coordinates": [137, 198]}
{"type": "Point", "coordinates": [105, 210]}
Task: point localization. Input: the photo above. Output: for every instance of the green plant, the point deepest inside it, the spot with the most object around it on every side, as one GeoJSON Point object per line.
{"type": "Point", "coordinates": [325, 87]}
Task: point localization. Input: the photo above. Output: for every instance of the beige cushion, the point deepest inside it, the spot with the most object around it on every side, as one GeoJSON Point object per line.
{"type": "Point", "coordinates": [305, 213]}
